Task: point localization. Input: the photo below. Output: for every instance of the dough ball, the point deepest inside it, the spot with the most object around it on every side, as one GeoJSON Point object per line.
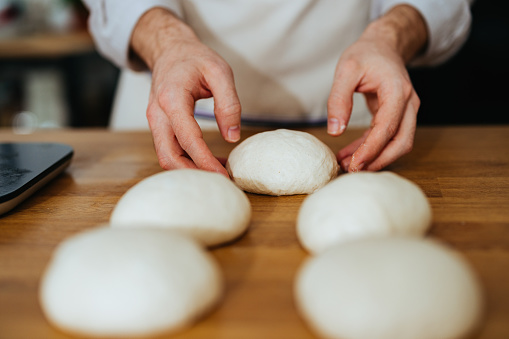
{"type": "Point", "coordinates": [282, 162]}
{"type": "Point", "coordinates": [389, 288]}
{"type": "Point", "coordinates": [361, 205]}
{"type": "Point", "coordinates": [128, 282]}
{"type": "Point", "coordinates": [204, 205]}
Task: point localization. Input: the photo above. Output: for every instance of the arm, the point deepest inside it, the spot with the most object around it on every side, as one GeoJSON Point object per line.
{"type": "Point", "coordinates": [448, 24]}
{"type": "Point", "coordinates": [183, 70]}
{"type": "Point", "coordinates": [416, 32]}
{"type": "Point", "coordinates": [141, 34]}
{"type": "Point", "coordinates": [375, 66]}
{"type": "Point", "coordinates": [111, 23]}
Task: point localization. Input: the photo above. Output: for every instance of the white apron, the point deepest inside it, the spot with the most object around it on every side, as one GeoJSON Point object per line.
{"type": "Point", "coordinates": [283, 54]}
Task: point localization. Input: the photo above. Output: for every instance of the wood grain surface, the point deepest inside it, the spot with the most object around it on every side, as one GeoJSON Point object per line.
{"type": "Point", "coordinates": [47, 45]}
{"type": "Point", "coordinates": [464, 172]}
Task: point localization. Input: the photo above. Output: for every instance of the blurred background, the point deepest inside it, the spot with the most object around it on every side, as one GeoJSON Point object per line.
{"type": "Point", "coordinates": [51, 76]}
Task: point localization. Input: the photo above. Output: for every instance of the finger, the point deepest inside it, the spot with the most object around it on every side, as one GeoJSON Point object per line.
{"type": "Point", "coordinates": [352, 147]}
{"type": "Point", "coordinates": [344, 155]}
{"type": "Point", "coordinates": [179, 109]}
{"type": "Point", "coordinates": [227, 107]}
{"type": "Point", "coordinates": [402, 142]}
{"type": "Point", "coordinates": [222, 160]}
{"type": "Point", "coordinates": [169, 152]}
{"type": "Point", "coordinates": [385, 125]}
{"type": "Point", "coordinates": [340, 103]}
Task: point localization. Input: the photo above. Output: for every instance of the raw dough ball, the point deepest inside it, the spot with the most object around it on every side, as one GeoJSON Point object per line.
{"type": "Point", "coordinates": [205, 205]}
{"type": "Point", "coordinates": [282, 162]}
{"type": "Point", "coordinates": [389, 288]}
{"type": "Point", "coordinates": [361, 205]}
{"type": "Point", "coordinates": [128, 282]}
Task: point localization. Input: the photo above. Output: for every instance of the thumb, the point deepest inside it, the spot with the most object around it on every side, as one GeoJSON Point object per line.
{"type": "Point", "coordinates": [227, 107]}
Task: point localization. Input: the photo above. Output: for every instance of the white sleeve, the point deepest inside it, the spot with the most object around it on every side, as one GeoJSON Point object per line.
{"type": "Point", "coordinates": [448, 24]}
{"type": "Point", "coordinates": [111, 23]}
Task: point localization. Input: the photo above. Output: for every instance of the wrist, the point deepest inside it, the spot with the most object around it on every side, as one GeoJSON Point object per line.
{"type": "Point", "coordinates": [156, 31]}
{"type": "Point", "coordinates": [402, 28]}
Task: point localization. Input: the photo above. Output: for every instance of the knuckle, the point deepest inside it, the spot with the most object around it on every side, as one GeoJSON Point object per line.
{"type": "Point", "coordinates": [337, 100]}
{"type": "Point", "coordinates": [349, 65]}
{"type": "Point", "coordinates": [230, 110]}
{"type": "Point", "coordinates": [163, 100]}
{"type": "Point", "coordinates": [416, 102]}
{"type": "Point", "coordinates": [407, 89]}
{"type": "Point", "coordinates": [187, 140]}
{"type": "Point", "coordinates": [392, 128]}
{"type": "Point", "coordinates": [151, 111]}
{"type": "Point", "coordinates": [218, 68]}
{"type": "Point", "coordinates": [402, 88]}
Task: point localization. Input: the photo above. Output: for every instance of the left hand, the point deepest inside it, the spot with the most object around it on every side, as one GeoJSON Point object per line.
{"type": "Point", "coordinates": [375, 66]}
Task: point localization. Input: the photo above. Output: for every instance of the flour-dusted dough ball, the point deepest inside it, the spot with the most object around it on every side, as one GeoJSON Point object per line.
{"type": "Point", "coordinates": [361, 205]}
{"type": "Point", "coordinates": [389, 288]}
{"type": "Point", "coordinates": [128, 282]}
{"type": "Point", "coordinates": [282, 162]}
{"type": "Point", "coordinates": [205, 205]}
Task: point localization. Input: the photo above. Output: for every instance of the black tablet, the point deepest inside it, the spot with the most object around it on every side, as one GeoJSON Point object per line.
{"type": "Point", "coordinates": [26, 167]}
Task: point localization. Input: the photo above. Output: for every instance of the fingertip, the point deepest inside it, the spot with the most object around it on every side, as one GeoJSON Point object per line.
{"type": "Point", "coordinates": [340, 104]}
{"type": "Point", "coordinates": [228, 121]}
{"type": "Point", "coordinates": [345, 164]}
{"type": "Point", "coordinates": [356, 165]}
{"type": "Point", "coordinates": [335, 126]}
{"type": "Point", "coordinates": [221, 170]}
{"type": "Point", "coordinates": [233, 134]}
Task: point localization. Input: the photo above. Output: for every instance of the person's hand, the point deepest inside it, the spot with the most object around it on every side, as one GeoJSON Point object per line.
{"type": "Point", "coordinates": [375, 66]}
{"type": "Point", "coordinates": [184, 70]}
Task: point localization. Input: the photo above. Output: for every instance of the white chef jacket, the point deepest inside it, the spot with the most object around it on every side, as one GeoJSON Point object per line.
{"type": "Point", "coordinates": [283, 53]}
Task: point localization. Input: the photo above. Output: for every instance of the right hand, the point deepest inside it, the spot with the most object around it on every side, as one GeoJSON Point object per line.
{"type": "Point", "coordinates": [184, 70]}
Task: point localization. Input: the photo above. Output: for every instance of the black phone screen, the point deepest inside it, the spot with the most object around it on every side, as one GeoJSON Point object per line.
{"type": "Point", "coordinates": [25, 167]}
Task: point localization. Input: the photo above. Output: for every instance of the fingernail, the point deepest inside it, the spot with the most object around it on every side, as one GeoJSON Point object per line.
{"type": "Point", "coordinates": [234, 133]}
{"type": "Point", "coordinates": [357, 168]}
{"type": "Point", "coordinates": [333, 126]}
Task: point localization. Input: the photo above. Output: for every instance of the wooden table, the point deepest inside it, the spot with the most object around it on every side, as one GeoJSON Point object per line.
{"type": "Point", "coordinates": [47, 45]}
{"type": "Point", "coordinates": [464, 171]}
